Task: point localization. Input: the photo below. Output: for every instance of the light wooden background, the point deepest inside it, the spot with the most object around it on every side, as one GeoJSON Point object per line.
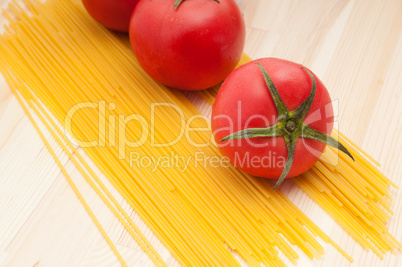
{"type": "Point", "coordinates": [354, 46]}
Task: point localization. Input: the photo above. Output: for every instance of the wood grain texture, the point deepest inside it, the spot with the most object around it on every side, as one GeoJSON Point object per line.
{"type": "Point", "coordinates": [354, 46]}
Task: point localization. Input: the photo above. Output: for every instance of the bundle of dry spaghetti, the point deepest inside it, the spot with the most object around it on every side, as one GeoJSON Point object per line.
{"type": "Point", "coordinates": [57, 59]}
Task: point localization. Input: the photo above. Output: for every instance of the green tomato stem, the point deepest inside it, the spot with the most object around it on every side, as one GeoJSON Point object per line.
{"type": "Point", "coordinates": [255, 132]}
{"type": "Point", "coordinates": [290, 126]}
{"type": "Point", "coordinates": [290, 141]}
{"type": "Point", "coordinates": [178, 2]}
{"type": "Point", "coordinates": [308, 132]}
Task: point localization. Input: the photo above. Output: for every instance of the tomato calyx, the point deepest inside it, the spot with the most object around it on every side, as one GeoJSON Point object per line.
{"type": "Point", "coordinates": [290, 125]}
{"type": "Point", "coordinates": [178, 2]}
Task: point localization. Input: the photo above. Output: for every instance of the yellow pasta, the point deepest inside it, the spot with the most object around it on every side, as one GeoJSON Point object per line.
{"type": "Point", "coordinates": [88, 79]}
{"type": "Point", "coordinates": [64, 171]}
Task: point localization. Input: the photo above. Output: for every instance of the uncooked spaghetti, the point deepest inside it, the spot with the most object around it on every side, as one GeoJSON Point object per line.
{"type": "Point", "coordinates": [89, 80]}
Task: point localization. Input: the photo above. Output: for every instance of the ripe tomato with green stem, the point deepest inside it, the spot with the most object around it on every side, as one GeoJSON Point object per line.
{"type": "Point", "coordinates": [272, 118]}
{"type": "Point", "coordinates": [187, 44]}
{"type": "Point", "coordinates": [113, 14]}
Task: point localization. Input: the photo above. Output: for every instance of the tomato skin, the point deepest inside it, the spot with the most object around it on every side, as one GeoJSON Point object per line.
{"type": "Point", "coordinates": [246, 84]}
{"type": "Point", "coordinates": [113, 14]}
{"type": "Point", "coordinates": [193, 47]}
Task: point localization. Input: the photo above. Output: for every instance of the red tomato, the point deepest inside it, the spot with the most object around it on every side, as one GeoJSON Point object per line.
{"type": "Point", "coordinates": [113, 14]}
{"type": "Point", "coordinates": [192, 47]}
{"type": "Point", "coordinates": [244, 102]}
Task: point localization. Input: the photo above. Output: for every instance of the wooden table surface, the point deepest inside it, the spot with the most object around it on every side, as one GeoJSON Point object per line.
{"type": "Point", "coordinates": [354, 46]}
